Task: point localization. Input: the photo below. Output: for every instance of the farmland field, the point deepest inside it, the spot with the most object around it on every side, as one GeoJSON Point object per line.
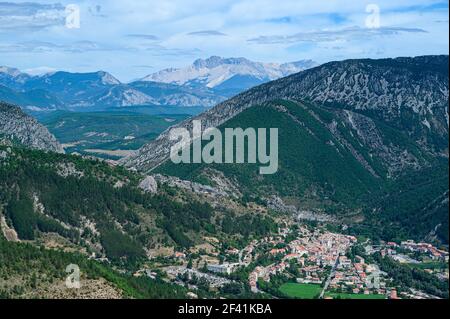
{"type": "Point", "coordinates": [354, 296]}
{"type": "Point", "coordinates": [304, 291]}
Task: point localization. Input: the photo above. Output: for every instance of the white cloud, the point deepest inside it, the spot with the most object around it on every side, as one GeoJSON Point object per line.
{"type": "Point", "coordinates": [346, 34]}
{"type": "Point", "coordinates": [40, 70]}
{"type": "Point", "coordinates": [117, 35]}
{"type": "Point", "coordinates": [207, 33]}
{"type": "Point", "coordinates": [29, 15]}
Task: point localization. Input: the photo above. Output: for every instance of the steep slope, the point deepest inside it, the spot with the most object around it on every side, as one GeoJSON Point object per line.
{"type": "Point", "coordinates": [99, 210]}
{"type": "Point", "coordinates": [365, 141]}
{"type": "Point", "coordinates": [410, 94]}
{"type": "Point", "coordinates": [344, 164]}
{"type": "Point", "coordinates": [18, 126]}
{"type": "Point", "coordinates": [336, 154]}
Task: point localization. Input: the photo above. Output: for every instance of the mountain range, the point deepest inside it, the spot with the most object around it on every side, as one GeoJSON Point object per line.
{"type": "Point", "coordinates": [370, 147]}
{"type": "Point", "coordinates": [228, 76]}
{"type": "Point", "coordinates": [362, 128]}
{"type": "Point", "coordinates": [205, 83]}
{"type": "Point", "coordinates": [408, 93]}
{"type": "Point", "coordinates": [363, 151]}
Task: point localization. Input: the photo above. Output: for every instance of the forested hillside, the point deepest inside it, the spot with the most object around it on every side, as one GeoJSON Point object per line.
{"type": "Point", "coordinates": [342, 162]}
{"type": "Point", "coordinates": [27, 271]}
{"type": "Point", "coordinates": [101, 209]}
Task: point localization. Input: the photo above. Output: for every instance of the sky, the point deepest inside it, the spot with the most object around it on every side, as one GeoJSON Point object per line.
{"type": "Point", "coordinates": [133, 38]}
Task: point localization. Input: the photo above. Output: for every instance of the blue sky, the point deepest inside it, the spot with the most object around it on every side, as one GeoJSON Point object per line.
{"type": "Point", "coordinates": [131, 39]}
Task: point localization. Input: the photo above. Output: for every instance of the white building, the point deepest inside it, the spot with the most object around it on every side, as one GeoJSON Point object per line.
{"type": "Point", "coordinates": [224, 268]}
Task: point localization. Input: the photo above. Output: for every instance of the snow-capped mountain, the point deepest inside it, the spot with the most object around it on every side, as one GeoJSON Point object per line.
{"type": "Point", "coordinates": [12, 77]}
{"type": "Point", "coordinates": [205, 83]}
{"type": "Point", "coordinates": [224, 73]}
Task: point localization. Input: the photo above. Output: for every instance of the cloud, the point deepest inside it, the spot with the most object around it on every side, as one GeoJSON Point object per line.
{"type": "Point", "coordinates": [30, 15]}
{"type": "Point", "coordinates": [143, 36]}
{"type": "Point", "coordinates": [345, 34]}
{"type": "Point", "coordinates": [90, 46]}
{"type": "Point", "coordinates": [39, 70]}
{"type": "Point", "coordinates": [159, 50]}
{"type": "Point", "coordinates": [280, 20]}
{"type": "Point", "coordinates": [207, 33]}
{"type": "Point", "coordinates": [143, 66]}
{"type": "Point", "coordinates": [43, 46]}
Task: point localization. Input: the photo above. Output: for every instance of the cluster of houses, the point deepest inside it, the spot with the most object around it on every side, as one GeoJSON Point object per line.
{"type": "Point", "coordinates": [358, 277]}
{"type": "Point", "coordinates": [315, 252]}
{"type": "Point", "coordinates": [424, 248]}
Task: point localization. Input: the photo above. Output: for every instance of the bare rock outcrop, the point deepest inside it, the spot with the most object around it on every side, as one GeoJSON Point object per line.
{"type": "Point", "coordinates": [149, 185]}
{"type": "Point", "coordinates": [20, 127]}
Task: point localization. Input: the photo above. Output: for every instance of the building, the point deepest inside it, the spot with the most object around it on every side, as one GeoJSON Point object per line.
{"type": "Point", "coordinates": [393, 294]}
{"type": "Point", "coordinates": [224, 268]}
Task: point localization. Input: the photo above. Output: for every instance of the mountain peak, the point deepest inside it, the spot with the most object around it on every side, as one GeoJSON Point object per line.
{"type": "Point", "coordinates": [13, 72]}
{"type": "Point", "coordinates": [108, 78]}
{"type": "Point", "coordinates": [217, 71]}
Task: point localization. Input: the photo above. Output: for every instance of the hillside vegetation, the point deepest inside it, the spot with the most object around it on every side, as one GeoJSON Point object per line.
{"type": "Point", "coordinates": [342, 162]}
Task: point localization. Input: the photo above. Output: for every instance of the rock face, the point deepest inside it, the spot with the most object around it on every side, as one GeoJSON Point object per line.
{"type": "Point", "coordinates": [3, 155]}
{"type": "Point", "coordinates": [197, 188]}
{"type": "Point", "coordinates": [149, 185]}
{"type": "Point", "coordinates": [18, 126]}
{"type": "Point", "coordinates": [277, 204]}
{"type": "Point", "coordinates": [411, 94]}
{"type": "Point", "coordinates": [9, 233]}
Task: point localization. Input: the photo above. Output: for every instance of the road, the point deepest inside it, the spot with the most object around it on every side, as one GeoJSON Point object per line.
{"type": "Point", "coordinates": [330, 276]}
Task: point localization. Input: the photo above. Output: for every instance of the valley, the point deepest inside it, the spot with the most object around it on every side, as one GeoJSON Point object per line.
{"type": "Point", "coordinates": [361, 190]}
{"type": "Point", "coordinates": [110, 135]}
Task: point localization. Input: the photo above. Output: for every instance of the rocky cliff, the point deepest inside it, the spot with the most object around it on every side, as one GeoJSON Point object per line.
{"type": "Point", "coordinates": [18, 126]}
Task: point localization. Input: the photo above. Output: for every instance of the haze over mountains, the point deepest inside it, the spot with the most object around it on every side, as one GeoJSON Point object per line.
{"type": "Point", "coordinates": [205, 83]}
